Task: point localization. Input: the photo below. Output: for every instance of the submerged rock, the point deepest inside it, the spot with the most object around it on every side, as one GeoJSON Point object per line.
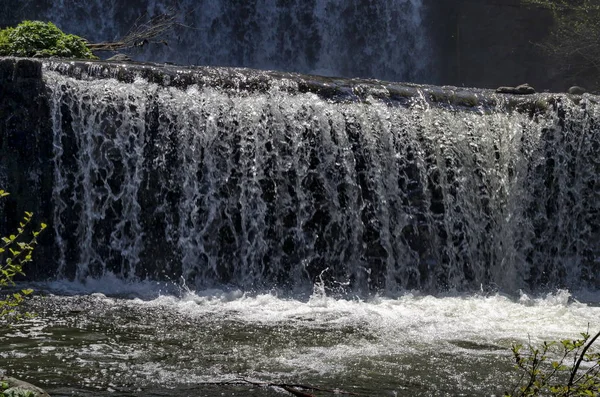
{"type": "Point", "coordinates": [17, 387]}
{"type": "Point", "coordinates": [120, 58]}
{"type": "Point", "coordinates": [577, 90]}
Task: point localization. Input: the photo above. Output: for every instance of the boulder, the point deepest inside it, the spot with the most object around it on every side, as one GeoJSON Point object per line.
{"type": "Point", "coordinates": [120, 58]}
{"type": "Point", "coordinates": [577, 90]}
{"type": "Point", "coordinates": [16, 386]}
{"type": "Point", "coordinates": [523, 89]}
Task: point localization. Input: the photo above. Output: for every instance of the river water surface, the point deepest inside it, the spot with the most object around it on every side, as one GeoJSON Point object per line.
{"type": "Point", "coordinates": [158, 340]}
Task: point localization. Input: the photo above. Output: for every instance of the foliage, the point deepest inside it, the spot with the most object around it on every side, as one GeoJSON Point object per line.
{"type": "Point", "coordinates": [40, 39]}
{"type": "Point", "coordinates": [575, 40]}
{"type": "Point", "coordinates": [560, 369]}
{"type": "Point", "coordinates": [18, 249]}
{"type": "Point", "coordinates": [21, 393]}
{"type": "Point", "coordinates": [4, 47]}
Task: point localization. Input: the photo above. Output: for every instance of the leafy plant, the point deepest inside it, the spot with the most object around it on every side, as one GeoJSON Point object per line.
{"type": "Point", "coordinates": [567, 368]}
{"type": "Point", "coordinates": [41, 39]}
{"type": "Point", "coordinates": [5, 392]}
{"type": "Point", "coordinates": [4, 47]}
{"type": "Point", "coordinates": [17, 249]}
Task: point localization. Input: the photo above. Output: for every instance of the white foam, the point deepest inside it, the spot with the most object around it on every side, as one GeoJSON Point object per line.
{"type": "Point", "coordinates": [131, 335]}
{"type": "Point", "coordinates": [396, 320]}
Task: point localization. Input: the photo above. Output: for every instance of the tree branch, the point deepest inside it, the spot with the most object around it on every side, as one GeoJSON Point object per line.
{"type": "Point", "coordinates": [142, 33]}
{"type": "Point", "coordinates": [580, 359]}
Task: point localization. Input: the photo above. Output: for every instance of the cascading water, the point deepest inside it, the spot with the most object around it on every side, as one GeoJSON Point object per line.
{"type": "Point", "coordinates": [279, 189]}
{"type": "Point", "coordinates": [378, 39]}
{"type": "Point", "coordinates": [286, 228]}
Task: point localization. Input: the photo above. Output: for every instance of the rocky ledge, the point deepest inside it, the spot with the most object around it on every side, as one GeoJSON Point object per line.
{"type": "Point", "coordinates": [240, 79]}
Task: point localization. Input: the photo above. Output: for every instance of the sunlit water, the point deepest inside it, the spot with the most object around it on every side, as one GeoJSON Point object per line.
{"type": "Point", "coordinates": [157, 340]}
{"type": "Point", "coordinates": [274, 189]}
{"type": "Point", "coordinates": [276, 192]}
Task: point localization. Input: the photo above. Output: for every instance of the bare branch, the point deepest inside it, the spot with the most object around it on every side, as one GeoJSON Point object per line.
{"type": "Point", "coordinates": [144, 31]}
{"type": "Point", "coordinates": [580, 359]}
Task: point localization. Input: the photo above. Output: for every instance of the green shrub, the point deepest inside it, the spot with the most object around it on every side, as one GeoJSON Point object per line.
{"type": "Point", "coordinates": [567, 368]}
{"type": "Point", "coordinates": [17, 249]}
{"type": "Point", "coordinates": [41, 39]}
{"type": "Point", "coordinates": [4, 50]}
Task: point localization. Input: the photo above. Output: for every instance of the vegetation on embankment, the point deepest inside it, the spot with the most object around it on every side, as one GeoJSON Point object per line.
{"type": "Point", "coordinates": [42, 39]}
{"type": "Point", "coordinates": [574, 42]}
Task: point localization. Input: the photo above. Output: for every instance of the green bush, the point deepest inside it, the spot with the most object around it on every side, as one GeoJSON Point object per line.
{"type": "Point", "coordinates": [4, 50]}
{"type": "Point", "coordinates": [17, 249]}
{"type": "Point", "coordinates": [568, 368]}
{"type": "Point", "coordinates": [41, 39]}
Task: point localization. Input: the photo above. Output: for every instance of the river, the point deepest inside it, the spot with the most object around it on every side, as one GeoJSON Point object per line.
{"type": "Point", "coordinates": [153, 339]}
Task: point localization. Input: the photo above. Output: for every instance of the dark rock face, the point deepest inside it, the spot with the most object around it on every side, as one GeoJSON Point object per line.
{"type": "Point", "coordinates": [489, 43]}
{"type": "Point", "coordinates": [25, 151]}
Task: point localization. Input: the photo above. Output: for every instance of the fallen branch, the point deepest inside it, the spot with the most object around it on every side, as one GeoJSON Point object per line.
{"type": "Point", "coordinates": [297, 390]}
{"type": "Point", "coordinates": [142, 33]}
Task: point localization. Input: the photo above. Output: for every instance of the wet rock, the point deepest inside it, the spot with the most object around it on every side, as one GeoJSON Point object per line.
{"type": "Point", "coordinates": [120, 58]}
{"type": "Point", "coordinates": [25, 143]}
{"type": "Point", "coordinates": [16, 386]}
{"type": "Point", "coordinates": [577, 90]}
{"type": "Point", "coordinates": [523, 89]}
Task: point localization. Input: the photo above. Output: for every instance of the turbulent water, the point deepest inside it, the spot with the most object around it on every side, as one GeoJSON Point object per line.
{"type": "Point", "coordinates": [381, 39]}
{"type": "Point", "coordinates": [276, 189]}
{"type": "Point", "coordinates": [181, 343]}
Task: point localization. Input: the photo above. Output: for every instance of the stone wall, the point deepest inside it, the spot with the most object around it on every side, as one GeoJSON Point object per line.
{"type": "Point", "coordinates": [493, 43]}
{"type": "Point", "coordinates": [25, 151]}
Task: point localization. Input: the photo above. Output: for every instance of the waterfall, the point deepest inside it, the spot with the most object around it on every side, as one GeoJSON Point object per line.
{"type": "Point", "coordinates": [353, 38]}
{"type": "Point", "coordinates": [280, 188]}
